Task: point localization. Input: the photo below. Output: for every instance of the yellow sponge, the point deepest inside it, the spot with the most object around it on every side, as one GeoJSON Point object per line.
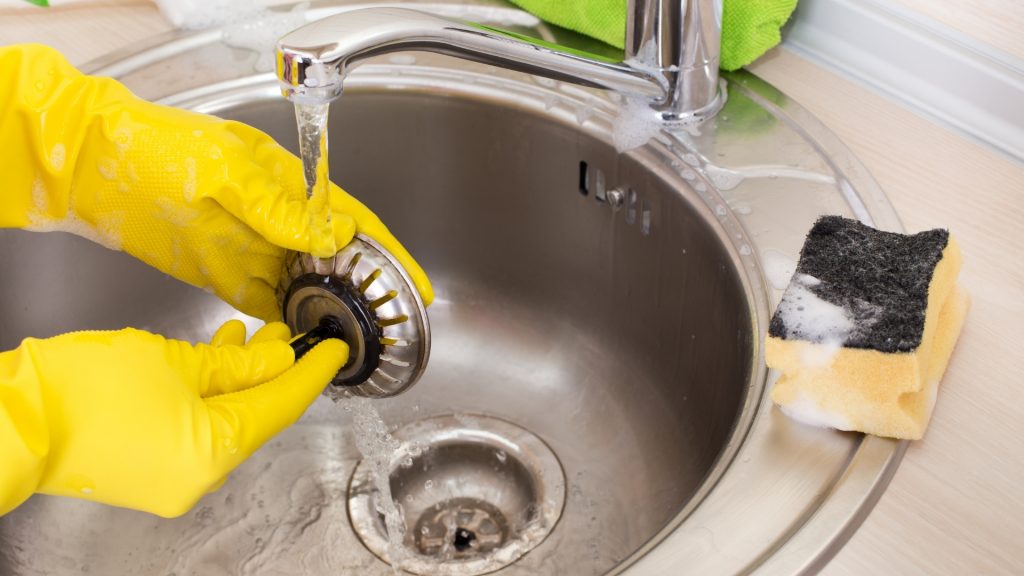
{"type": "Point", "coordinates": [866, 328]}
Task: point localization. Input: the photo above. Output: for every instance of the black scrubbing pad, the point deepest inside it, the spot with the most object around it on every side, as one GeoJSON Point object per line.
{"type": "Point", "coordinates": [880, 278]}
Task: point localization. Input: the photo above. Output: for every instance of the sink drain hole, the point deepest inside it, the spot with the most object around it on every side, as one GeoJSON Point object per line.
{"type": "Point", "coordinates": [463, 539]}
{"type": "Point", "coordinates": [477, 493]}
{"type": "Point", "coordinates": [468, 526]}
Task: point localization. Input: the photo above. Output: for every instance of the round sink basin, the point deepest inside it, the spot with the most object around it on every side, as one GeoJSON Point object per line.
{"type": "Point", "coordinates": [610, 306]}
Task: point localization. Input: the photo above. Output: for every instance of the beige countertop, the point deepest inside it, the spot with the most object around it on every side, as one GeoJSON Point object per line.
{"type": "Point", "coordinates": [956, 505]}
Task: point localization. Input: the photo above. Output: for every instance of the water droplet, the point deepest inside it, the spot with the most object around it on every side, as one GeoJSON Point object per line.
{"type": "Point", "coordinates": [429, 484]}
{"type": "Point", "coordinates": [501, 456]}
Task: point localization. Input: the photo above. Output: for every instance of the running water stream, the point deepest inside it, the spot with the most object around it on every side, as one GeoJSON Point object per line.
{"type": "Point", "coordinates": [371, 434]}
{"type": "Point", "coordinates": [312, 122]}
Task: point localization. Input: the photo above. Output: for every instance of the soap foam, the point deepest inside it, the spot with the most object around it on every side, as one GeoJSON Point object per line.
{"type": "Point", "coordinates": [106, 236]}
{"type": "Point", "coordinates": [635, 125]}
{"type": "Point", "coordinates": [200, 14]}
{"type": "Point", "coordinates": [638, 122]}
{"type": "Point", "coordinates": [259, 31]}
{"type": "Point", "coordinates": [40, 196]}
{"type": "Point", "coordinates": [821, 355]}
{"type": "Point", "coordinates": [57, 157]}
{"type": "Point", "coordinates": [808, 317]}
{"type": "Point", "coordinates": [804, 409]}
{"type": "Point", "coordinates": [247, 25]}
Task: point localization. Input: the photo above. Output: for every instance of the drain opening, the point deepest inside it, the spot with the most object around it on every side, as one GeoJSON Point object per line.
{"type": "Point", "coordinates": [477, 494]}
{"type": "Point", "coordinates": [468, 526]}
{"type": "Point", "coordinates": [463, 539]}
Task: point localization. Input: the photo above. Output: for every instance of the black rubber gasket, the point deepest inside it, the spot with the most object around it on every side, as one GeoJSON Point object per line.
{"type": "Point", "coordinates": [330, 327]}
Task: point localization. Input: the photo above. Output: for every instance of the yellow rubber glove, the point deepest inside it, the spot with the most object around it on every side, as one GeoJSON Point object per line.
{"type": "Point", "coordinates": [135, 420]}
{"type": "Point", "coordinates": [211, 202]}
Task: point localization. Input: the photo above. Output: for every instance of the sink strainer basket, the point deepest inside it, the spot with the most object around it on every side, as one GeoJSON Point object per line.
{"type": "Point", "coordinates": [363, 296]}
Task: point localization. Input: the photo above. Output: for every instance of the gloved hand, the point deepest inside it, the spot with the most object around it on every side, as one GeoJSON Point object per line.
{"type": "Point", "coordinates": [749, 27]}
{"type": "Point", "coordinates": [211, 202]}
{"type": "Point", "coordinates": [131, 419]}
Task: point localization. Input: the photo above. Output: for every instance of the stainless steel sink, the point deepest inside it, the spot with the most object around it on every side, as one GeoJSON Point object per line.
{"type": "Point", "coordinates": [613, 305]}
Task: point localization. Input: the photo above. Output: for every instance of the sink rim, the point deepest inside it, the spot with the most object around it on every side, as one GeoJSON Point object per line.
{"type": "Point", "coordinates": [817, 533]}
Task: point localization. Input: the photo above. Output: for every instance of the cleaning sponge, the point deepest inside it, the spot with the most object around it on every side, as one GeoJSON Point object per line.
{"type": "Point", "coordinates": [866, 327]}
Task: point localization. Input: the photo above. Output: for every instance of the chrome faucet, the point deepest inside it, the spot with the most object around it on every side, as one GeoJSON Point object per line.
{"type": "Point", "coordinates": [671, 53]}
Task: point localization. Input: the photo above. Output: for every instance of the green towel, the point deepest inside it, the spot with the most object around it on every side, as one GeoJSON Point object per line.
{"type": "Point", "coordinates": [749, 27]}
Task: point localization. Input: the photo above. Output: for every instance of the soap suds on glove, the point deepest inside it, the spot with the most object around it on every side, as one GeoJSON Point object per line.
{"type": "Point", "coordinates": [106, 233]}
{"type": "Point", "coordinates": [57, 156]}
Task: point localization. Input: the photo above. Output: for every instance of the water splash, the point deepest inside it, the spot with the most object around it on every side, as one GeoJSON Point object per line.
{"type": "Point", "coordinates": [378, 448]}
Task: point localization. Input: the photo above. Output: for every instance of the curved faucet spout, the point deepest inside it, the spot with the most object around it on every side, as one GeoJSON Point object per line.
{"type": "Point", "coordinates": [313, 60]}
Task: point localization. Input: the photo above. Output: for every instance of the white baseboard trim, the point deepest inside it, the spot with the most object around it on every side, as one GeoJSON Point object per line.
{"type": "Point", "coordinates": [930, 68]}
